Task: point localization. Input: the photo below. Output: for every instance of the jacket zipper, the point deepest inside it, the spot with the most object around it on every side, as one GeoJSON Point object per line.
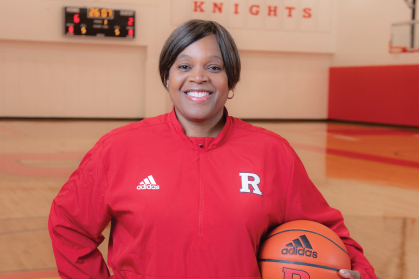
{"type": "Point", "coordinates": [200, 197]}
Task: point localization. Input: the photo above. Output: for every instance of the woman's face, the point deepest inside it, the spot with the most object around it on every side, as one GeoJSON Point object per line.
{"type": "Point", "coordinates": [198, 83]}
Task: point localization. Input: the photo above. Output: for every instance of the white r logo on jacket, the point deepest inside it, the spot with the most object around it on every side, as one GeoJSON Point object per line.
{"type": "Point", "coordinates": [246, 182]}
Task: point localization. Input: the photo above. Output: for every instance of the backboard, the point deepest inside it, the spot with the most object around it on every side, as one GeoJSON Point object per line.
{"type": "Point", "coordinates": [404, 37]}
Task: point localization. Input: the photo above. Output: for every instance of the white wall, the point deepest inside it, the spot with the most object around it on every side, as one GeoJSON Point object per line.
{"type": "Point", "coordinates": [363, 33]}
{"type": "Point", "coordinates": [282, 85]}
{"type": "Point", "coordinates": [285, 61]}
{"type": "Point", "coordinates": [67, 80]}
{"type": "Point", "coordinates": [38, 24]}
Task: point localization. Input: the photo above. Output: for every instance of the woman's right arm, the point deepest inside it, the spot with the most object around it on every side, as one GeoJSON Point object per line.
{"type": "Point", "coordinates": [77, 218]}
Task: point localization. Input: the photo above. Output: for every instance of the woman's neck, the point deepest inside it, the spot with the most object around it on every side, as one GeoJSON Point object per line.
{"type": "Point", "coordinates": [207, 128]}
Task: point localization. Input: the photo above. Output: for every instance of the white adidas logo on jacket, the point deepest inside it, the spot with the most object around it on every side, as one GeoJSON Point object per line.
{"type": "Point", "coordinates": [148, 184]}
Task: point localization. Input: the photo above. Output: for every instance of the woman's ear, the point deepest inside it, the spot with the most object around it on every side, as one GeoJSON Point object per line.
{"type": "Point", "coordinates": [167, 79]}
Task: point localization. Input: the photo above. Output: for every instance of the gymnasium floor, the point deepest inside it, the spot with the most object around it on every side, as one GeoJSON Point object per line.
{"type": "Point", "coordinates": [370, 173]}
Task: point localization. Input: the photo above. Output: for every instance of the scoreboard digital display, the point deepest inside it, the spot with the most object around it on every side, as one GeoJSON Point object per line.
{"type": "Point", "coordinates": [99, 22]}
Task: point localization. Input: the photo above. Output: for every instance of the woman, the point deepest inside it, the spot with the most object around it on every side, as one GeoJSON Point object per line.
{"type": "Point", "coordinates": [191, 193]}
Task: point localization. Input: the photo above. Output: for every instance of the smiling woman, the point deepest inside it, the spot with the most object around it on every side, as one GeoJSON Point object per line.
{"type": "Point", "coordinates": [199, 65]}
{"type": "Point", "coordinates": [191, 193]}
{"type": "Point", "coordinates": [198, 87]}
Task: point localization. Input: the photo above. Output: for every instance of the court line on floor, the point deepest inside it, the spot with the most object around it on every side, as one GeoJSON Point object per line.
{"type": "Point", "coordinates": [23, 231]}
{"type": "Point", "coordinates": [30, 274]}
{"type": "Point", "coordinates": [9, 163]}
{"type": "Point", "coordinates": [5, 130]}
{"type": "Point", "coordinates": [356, 155]}
{"type": "Point", "coordinates": [371, 132]}
{"type": "Point", "coordinates": [23, 218]}
{"type": "Point", "coordinates": [346, 137]}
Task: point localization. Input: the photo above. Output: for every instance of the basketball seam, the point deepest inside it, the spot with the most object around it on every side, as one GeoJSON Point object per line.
{"type": "Point", "coordinates": [310, 232]}
{"type": "Point", "coordinates": [300, 263]}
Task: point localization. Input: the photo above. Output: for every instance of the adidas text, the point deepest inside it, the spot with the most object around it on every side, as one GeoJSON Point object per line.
{"type": "Point", "coordinates": [147, 187]}
{"type": "Point", "coordinates": [301, 252]}
{"type": "Point", "coordinates": [300, 246]}
{"type": "Point", "coordinates": [148, 184]}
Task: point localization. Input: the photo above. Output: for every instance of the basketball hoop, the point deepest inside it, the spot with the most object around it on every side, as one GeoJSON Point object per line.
{"type": "Point", "coordinates": [404, 37]}
{"type": "Point", "coordinates": [396, 49]}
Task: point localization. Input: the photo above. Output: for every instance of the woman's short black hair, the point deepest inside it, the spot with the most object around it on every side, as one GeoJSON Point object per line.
{"type": "Point", "coordinates": [190, 32]}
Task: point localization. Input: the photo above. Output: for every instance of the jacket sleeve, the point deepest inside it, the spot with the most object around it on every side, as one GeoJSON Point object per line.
{"type": "Point", "coordinates": [305, 202]}
{"type": "Point", "coordinates": [77, 218]}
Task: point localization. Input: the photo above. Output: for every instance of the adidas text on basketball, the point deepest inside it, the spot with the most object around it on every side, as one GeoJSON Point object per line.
{"type": "Point", "coordinates": [300, 246]}
{"type": "Point", "coordinates": [148, 184]}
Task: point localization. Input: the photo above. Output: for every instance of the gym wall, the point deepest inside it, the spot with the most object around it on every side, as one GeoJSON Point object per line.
{"type": "Point", "coordinates": [367, 83]}
{"type": "Point", "coordinates": [286, 58]}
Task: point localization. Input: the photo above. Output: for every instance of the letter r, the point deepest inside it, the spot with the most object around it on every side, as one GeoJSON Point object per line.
{"type": "Point", "coordinates": [246, 182]}
{"type": "Point", "coordinates": [289, 273]}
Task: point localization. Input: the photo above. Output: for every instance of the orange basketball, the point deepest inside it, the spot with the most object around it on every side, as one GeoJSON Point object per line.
{"type": "Point", "coordinates": [304, 250]}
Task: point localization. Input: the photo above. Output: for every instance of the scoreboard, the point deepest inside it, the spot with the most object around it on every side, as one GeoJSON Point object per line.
{"type": "Point", "coordinates": [99, 22]}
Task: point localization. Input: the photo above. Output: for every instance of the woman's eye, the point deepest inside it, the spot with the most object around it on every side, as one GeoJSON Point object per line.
{"type": "Point", "coordinates": [215, 68]}
{"type": "Point", "coordinates": [183, 67]}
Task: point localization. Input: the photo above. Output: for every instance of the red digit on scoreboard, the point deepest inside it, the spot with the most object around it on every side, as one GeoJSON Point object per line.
{"type": "Point", "coordinates": [131, 32]}
{"type": "Point", "coordinates": [71, 29]}
{"type": "Point", "coordinates": [130, 21]}
{"type": "Point", "coordinates": [76, 18]}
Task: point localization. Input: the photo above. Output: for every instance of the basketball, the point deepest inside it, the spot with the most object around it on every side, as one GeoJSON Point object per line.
{"type": "Point", "coordinates": [302, 248]}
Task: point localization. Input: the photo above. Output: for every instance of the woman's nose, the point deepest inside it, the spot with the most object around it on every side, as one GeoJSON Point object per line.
{"type": "Point", "coordinates": [198, 75]}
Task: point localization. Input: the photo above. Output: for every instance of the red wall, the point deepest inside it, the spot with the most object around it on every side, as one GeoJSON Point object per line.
{"type": "Point", "coordinates": [376, 94]}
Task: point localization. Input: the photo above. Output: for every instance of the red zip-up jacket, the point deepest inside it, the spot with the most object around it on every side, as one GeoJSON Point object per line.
{"type": "Point", "coordinates": [184, 207]}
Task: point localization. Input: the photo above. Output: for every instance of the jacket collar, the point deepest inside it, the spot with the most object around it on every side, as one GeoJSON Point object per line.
{"type": "Point", "coordinates": [202, 143]}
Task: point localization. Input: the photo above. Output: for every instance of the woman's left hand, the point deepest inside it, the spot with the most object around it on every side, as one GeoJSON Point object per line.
{"type": "Point", "coordinates": [350, 274]}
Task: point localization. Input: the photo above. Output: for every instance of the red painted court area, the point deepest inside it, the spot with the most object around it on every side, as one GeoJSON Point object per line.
{"type": "Point", "coordinates": [360, 156]}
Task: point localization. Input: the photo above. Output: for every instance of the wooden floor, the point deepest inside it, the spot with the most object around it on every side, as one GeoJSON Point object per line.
{"type": "Point", "coordinates": [370, 173]}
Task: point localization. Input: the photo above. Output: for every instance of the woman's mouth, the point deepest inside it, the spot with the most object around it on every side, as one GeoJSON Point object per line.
{"type": "Point", "coordinates": [198, 95]}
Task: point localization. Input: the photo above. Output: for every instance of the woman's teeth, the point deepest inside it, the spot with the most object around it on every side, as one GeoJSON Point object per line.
{"type": "Point", "coordinates": [197, 94]}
